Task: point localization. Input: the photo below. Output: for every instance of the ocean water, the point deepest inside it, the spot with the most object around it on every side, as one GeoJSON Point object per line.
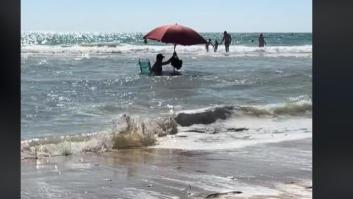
{"type": "Point", "coordinates": [79, 83]}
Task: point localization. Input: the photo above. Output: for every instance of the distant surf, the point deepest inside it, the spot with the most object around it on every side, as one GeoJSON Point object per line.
{"type": "Point", "coordinates": [197, 50]}
{"type": "Point", "coordinates": [280, 44]}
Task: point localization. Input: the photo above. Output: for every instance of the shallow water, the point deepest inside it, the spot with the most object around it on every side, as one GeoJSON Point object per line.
{"type": "Point", "coordinates": [264, 171]}
{"type": "Point", "coordinates": [76, 83]}
{"type": "Point", "coordinates": [63, 94]}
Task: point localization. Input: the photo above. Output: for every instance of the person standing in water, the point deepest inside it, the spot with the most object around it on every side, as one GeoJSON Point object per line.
{"type": "Point", "coordinates": [227, 40]}
{"type": "Point", "coordinates": [208, 44]}
{"type": "Point", "coordinates": [215, 46]}
{"type": "Point", "coordinates": [262, 41]}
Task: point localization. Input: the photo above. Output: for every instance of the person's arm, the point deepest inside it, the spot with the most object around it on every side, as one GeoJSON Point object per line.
{"type": "Point", "coordinates": [222, 40]}
{"type": "Point", "coordinates": [167, 62]}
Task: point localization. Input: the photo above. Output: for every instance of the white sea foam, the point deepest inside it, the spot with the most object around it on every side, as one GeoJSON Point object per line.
{"type": "Point", "coordinates": [127, 132]}
{"type": "Point", "coordinates": [302, 107]}
{"type": "Point", "coordinates": [237, 133]}
{"type": "Point", "coordinates": [196, 50]}
{"type": "Point", "coordinates": [213, 128]}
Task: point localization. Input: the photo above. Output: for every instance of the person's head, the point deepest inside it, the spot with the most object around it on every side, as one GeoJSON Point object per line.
{"type": "Point", "coordinates": [225, 32]}
{"type": "Point", "coordinates": [159, 57]}
{"type": "Point", "coordinates": [261, 35]}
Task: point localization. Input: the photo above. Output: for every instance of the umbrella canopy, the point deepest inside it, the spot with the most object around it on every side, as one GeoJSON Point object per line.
{"type": "Point", "coordinates": [175, 34]}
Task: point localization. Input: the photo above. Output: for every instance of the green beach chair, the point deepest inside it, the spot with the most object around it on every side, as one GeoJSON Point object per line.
{"type": "Point", "coordinates": [145, 66]}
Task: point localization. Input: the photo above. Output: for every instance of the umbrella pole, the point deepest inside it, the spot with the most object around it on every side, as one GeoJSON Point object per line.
{"type": "Point", "coordinates": [173, 67]}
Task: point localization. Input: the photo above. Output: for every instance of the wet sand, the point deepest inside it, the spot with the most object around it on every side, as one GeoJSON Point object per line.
{"type": "Point", "coordinates": [275, 170]}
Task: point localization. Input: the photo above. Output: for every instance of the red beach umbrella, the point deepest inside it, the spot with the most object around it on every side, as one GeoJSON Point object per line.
{"type": "Point", "coordinates": [175, 34]}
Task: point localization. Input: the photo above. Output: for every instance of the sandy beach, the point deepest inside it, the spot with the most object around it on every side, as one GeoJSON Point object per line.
{"type": "Point", "coordinates": [272, 170]}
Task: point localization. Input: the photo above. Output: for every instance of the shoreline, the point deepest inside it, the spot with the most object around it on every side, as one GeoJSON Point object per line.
{"type": "Point", "coordinates": [272, 170]}
{"type": "Point", "coordinates": [231, 134]}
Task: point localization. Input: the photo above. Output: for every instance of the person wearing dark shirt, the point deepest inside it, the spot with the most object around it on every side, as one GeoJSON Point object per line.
{"type": "Point", "coordinates": [227, 40]}
{"type": "Point", "coordinates": [262, 41]}
{"type": "Point", "coordinates": [157, 66]}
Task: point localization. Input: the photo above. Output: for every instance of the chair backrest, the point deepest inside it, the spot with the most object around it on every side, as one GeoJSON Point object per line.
{"type": "Point", "coordinates": [145, 66]}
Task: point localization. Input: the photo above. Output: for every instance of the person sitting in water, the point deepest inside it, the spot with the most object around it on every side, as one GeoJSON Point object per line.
{"type": "Point", "coordinates": [157, 66]}
{"type": "Point", "coordinates": [208, 44]}
{"type": "Point", "coordinates": [262, 41]}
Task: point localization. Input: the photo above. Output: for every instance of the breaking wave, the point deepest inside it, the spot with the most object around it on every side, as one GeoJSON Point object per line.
{"type": "Point", "coordinates": [111, 48]}
{"type": "Point", "coordinates": [130, 132]}
{"type": "Point", "coordinates": [210, 115]}
{"type": "Point", "coordinates": [127, 132]}
{"type": "Point", "coordinates": [280, 44]}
